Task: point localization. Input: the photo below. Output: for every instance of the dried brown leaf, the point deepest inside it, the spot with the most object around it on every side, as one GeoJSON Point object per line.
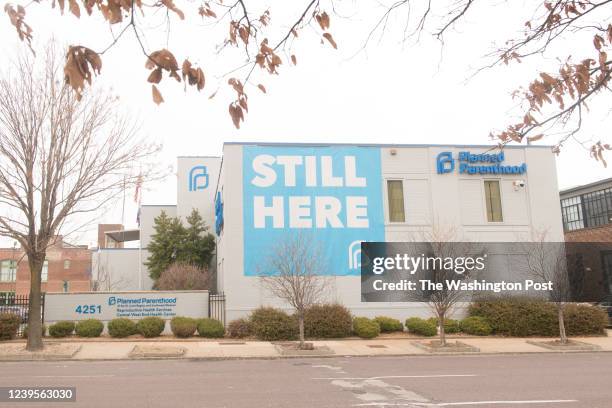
{"type": "Point", "coordinates": [157, 97]}
{"type": "Point", "coordinates": [330, 39]}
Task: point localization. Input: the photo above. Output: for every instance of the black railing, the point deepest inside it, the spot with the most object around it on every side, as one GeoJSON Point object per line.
{"type": "Point", "coordinates": [18, 305]}
{"type": "Point", "coordinates": [216, 307]}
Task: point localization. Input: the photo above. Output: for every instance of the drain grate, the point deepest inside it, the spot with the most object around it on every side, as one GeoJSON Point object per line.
{"type": "Point", "coordinates": [377, 346]}
{"type": "Point", "coordinates": [232, 343]}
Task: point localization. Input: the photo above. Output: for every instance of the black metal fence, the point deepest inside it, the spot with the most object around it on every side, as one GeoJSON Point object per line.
{"type": "Point", "coordinates": [18, 304]}
{"type": "Point", "coordinates": [216, 307]}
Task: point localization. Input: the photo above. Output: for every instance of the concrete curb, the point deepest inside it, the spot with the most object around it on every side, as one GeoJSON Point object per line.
{"type": "Point", "coordinates": [279, 357]}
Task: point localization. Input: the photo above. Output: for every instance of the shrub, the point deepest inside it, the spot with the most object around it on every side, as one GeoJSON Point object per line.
{"type": "Point", "coordinates": [61, 329]}
{"type": "Point", "coordinates": [450, 325]}
{"type": "Point", "coordinates": [183, 326]}
{"type": "Point", "coordinates": [475, 325]}
{"type": "Point", "coordinates": [518, 316]}
{"type": "Point", "coordinates": [522, 317]}
{"type": "Point", "coordinates": [121, 327]}
{"type": "Point", "coordinates": [210, 328]}
{"type": "Point", "coordinates": [239, 328]}
{"type": "Point", "coordinates": [272, 324]}
{"type": "Point", "coordinates": [327, 321]}
{"type": "Point", "coordinates": [89, 328]}
{"type": "Point", "coordinates": [365, 328]}
{"type": "Point", "coordinates": [581, 319]}
{"type": "Point", "coordinates": [9, 324]}
{"type": "Point", "coordinates": [43, 329]}
{"type": "Point", "coordinates": [388, 324]}
{"type": "Point", "coordinates": [151, 326]}
{"type": "Point", "coordinates": [422, 327]}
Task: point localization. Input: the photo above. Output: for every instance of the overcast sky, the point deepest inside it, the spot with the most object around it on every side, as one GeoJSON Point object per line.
{"type": "Point", "coordinates": [392, 92]}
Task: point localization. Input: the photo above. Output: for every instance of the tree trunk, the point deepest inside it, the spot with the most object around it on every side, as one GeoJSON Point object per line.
{"type": "Point", "coordinates": [35, 342]}
{"type": "Point", "coordinates": [301, 323]}
{"type": "Point", "coordinates": [562, 335]}
{"type": "Point", "coordinates": [441, 319]}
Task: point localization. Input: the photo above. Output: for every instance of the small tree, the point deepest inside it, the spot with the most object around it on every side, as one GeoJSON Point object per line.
{"type": "Point", "coordinates": [198, 245]}
{"type": "Point", "coordinates": [294, 273]}
{"type": "Point", "coordinates": [442, 242]}
{"type": "Point", "coordinates": [172, 242]}
{"type": "Point", "coordinates": [180, 276]}
{"type": "Point", "coordinates": [547, 263]}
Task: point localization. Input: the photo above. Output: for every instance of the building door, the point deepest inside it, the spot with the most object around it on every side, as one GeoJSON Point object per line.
{"type": "Point", "coordinates": [606, 260]}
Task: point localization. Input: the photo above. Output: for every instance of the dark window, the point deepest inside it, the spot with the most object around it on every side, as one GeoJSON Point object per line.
{"type": "Point", "coordinates": [571, 211]}
{"type": "Point", "coordinates": [598, 207]}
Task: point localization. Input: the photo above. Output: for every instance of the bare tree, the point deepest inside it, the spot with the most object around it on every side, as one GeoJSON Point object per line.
{"type": "Point", "coordinates": [546, 262]}
{"type": "Point", "coordinates": [179, 276]}
{"type": "Point", "coordinates": [60, 161]}
{"type": "Point", "coordinates": [443, 243]}
{"type": "Point", "coordinates": [295, 272]}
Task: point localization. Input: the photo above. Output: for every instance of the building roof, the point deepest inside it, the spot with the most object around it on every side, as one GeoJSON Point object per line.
{"type": "Point", "coordinates": [124, 235]}
{"type": "Point", "coordinates": [288, 144]}
{"type": "Point", "coordinates": [589, 186]}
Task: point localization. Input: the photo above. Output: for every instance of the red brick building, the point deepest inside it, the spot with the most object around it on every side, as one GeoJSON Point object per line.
{"type": "Point", "coordinates": [587, 222]}
{"type": "Point", "coordinates": [67, 269]}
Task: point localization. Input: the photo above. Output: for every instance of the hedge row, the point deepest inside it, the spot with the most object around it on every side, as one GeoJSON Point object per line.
{"type": "Point", "coordinates": [118, 328]}
{"type": "Point", "coordinates": [522, 317]}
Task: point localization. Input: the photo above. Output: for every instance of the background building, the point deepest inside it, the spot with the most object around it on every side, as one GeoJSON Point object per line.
{"type": "Point", "coordinates": [67, 268]}
{"type": "Point", "coordinates": [587, 220]}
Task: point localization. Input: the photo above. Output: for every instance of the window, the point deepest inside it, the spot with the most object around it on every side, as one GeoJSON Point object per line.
{"type": "Point", "coordinates": [571, 212]}
{"type": "Point", "coordinates": [66, 263]}
{"type": "Point", "coordinates": [597, 207]}
{"type": "Point", "coordinates": [587, 210]}
{"type": "Point", "coordinates": [395, 195]}
{"type": "Point", "coordinates": [45, 272]}
{"type": "Point", "coordinates": [493, 197]}
{"type": "Point", "coordinates": [8, 270]}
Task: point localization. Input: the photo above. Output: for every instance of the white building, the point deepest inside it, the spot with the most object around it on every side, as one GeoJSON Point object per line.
{"type": "Point", "coordinates": [344, 194]}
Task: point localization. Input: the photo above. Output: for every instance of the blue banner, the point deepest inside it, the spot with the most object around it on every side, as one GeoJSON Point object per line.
{"type": "Point", "coordinates": [333, 194]}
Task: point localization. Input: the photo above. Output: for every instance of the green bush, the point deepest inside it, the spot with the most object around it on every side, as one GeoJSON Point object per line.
{"type": "Point", "coordinates": [422, 327]}
{"type": "Point", "coordinates": [365, 328]}
{"type": "Point", "coordinates": [239, 328]}
{"type": "Point", "coordinates": [61, 329]}
{"type": "Point", "coordinates": [151, 326]}
{"type": "Point", "coordinates": [89, 328]}
{"type": "Point", "coordinates": [9, 324]}
{"type": "Point", "coordinates": [450, 325]}
{"type": "Point", "coordinates": [210, 328]}
{"type": "Point", "coordinates": [43, 329]}
{"type": "Point", "coordinates": [272, 324]}
{"type": "Point", "coordinates": [121, 327]}
{"type": "Point", "coordinates": [582, 320]}
{"type": "Point", "coordinates": [327, 321]}
{"type": "Point", "coordinates": [388, 324]}
{"type": "Point", "coordinates": [523, 317]}
{"type": "Point", "coordinates": [475, 325]}
{"type": "Point", "coordinates": [183, 326]}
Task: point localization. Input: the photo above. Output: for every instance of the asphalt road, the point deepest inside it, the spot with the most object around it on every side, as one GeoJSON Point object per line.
{"type": "Point", "coordinates": [543, 380]}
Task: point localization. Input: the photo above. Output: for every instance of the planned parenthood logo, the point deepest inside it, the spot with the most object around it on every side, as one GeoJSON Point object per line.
{"type": "Point", "coordinates": [112, 301]}
{"type": "Point", "coordinates": [198, 178]}
{"type": "Point", "coordinates": [477, 163]}
{"type": "Point", "coordinates": [445, 163]}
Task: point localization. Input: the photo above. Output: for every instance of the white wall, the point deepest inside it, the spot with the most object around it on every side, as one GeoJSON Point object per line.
{"type": "Point", "coordinates": [430, 199]}
{"type": "Point", "coordinates": [118, 268]}
{"type": "Point", "coordinates": [201, 199]}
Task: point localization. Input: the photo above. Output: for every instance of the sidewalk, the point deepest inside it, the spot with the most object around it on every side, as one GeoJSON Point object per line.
{"type": "Point", "coordinates": [237, 349]}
